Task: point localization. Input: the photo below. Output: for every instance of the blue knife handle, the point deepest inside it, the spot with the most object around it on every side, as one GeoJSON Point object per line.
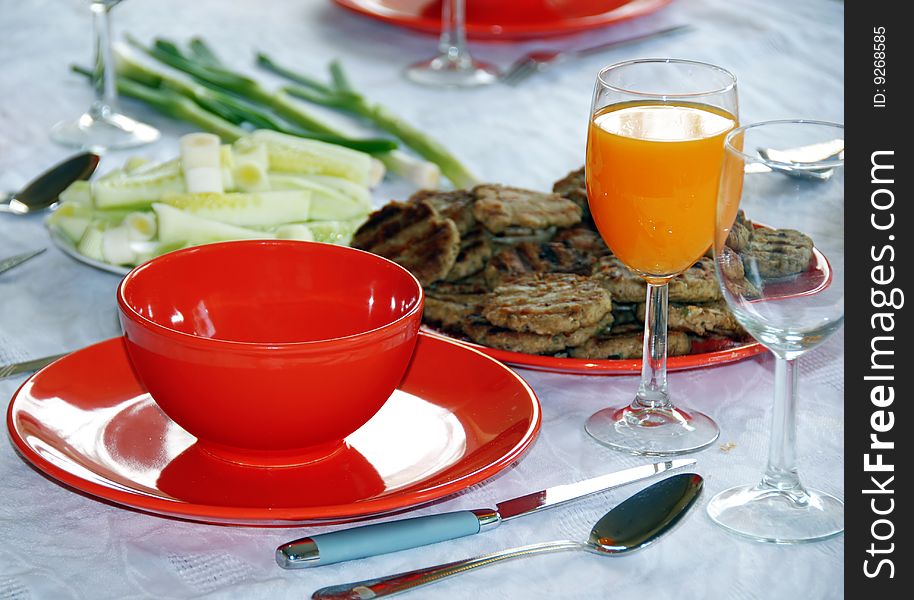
{"type": "Point", "coordinates": [381, 538]}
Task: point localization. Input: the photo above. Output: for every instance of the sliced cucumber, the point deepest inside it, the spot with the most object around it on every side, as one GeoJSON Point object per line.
{"type": "Point", "coordinates": [91, 243]}
{"type": "Point", "coordinates": [335, 232]}
{"type": "Point", "coordinates": [141, 226]}
{"type": "Point", "coordinates": [327, 203]}
{"type": "Point", "coordinates": [179, 226]}
{"type": "Point", "coordinates": [78, 192]}
{"type": "Point", "coordinates": [116, 248]}
{"type": "Point", "coordinates": [291, 154]}
{"type": "Point", "coordinates": [262, 209]}
{"type": "Point", "coordinates": [136, 191]}
{"type": "Point", "coordinates": [295, 231]}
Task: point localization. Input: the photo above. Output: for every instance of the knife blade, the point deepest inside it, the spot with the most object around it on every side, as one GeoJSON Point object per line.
{"type": "Point", "coordinates": [27, 366]}
{"type": "Point", "coordinates": [393, 536]}
{"type": "Point", "coordinates": [14, 261]}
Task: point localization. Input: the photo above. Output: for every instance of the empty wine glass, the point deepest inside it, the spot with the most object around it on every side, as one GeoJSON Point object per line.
{"type": "Point", "coordinates": [102, 126]}
{"type": "Point", "coordinates": [779, 251]}
{"type": "Point", "coordinates": [453, 66]}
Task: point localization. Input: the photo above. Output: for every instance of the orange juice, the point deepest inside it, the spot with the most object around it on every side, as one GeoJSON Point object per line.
{"type": "Point", "coordinates": [652, 175]}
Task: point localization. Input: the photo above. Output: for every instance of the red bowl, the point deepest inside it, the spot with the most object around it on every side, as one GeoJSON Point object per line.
{"type": "Point", "coordinates": [270, 352]}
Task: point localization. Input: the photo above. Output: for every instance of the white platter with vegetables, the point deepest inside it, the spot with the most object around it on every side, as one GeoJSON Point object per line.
{"type": "Point", "coordinates": [266, 185]}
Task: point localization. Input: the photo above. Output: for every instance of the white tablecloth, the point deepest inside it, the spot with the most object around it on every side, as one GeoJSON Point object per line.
{"type": "Point", "coordinates": [58, 544]}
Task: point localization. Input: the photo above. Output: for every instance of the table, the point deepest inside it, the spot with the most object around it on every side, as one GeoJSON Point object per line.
{"type": "Point", "coordinates": [58, 544]}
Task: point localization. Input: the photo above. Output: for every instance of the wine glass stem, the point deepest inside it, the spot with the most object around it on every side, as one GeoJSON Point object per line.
{"type": "Point", "coordinates": [781, 472]}
{"type": "Point", "coordinates": [105, 78]}
{"type": "Point", "coordinates": [652, 393]}
{"type": "Point", "coordinates": [453, 43]}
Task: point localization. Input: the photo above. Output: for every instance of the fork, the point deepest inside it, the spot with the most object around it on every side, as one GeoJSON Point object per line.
{"type": "Point", "coordinates": [14, 261]}
{"type": "Point", "coordinates": [537, 60]}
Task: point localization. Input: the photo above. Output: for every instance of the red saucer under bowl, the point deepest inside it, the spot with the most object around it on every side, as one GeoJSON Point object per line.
{"type": "Point", "coordinates": [87, 422]}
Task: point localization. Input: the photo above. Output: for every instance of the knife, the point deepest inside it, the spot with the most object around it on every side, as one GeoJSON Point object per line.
{"type": "Point", "coordinates": [27, 366]}
{"type": "Point", "coordinates": [381, 538]}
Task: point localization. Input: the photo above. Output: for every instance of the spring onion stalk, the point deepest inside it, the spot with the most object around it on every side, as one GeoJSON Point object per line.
{"type": "Point", "coordinates": [141, 226]}
{"type": "Point", "coordinates": [340, 95]}
{"type": "Point", "coordinates": [279, 102]}
{"type": "Point", "coordinates": [201, 162]}
{"type": "Point", "coordinates": [213, 73]}
{"type": "Point", "coordinates": [175, 105]}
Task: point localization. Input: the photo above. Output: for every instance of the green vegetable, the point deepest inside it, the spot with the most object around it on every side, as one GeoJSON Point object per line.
{"type": "Point", "coordinates": [341, 96]}
{"type": "Point", "coordinates": [178, 227]}
{"type": "Point", "coordinates": [262, 209]}
{"type": "Point", "coordinates": [289, 154]}
{"type": "Point", "coordinates": [327, 203]}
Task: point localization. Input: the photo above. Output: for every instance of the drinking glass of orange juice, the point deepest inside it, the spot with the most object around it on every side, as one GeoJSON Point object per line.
{"type": "Point", "coordinates": [654, 153]}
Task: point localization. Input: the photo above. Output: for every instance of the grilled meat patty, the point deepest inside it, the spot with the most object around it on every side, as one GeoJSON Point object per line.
{"type": "Point", "coordinates": [531, 257]}
{"type": "Point", "coordinates": [701, 319]}
{"type": "Point", "coordinates": [696, 284]}
{"type": "Point", "coordinates": [413, 235]}
{"type": "Point", "coordinates": [627, 342]}
{"type": "Point", "coordinates": [776, 253]}
{"type": "Point", "coordinates": [483, 332]}
{"type": "Point", "coordinates": [450, 305]}
{"type": "Point", "coordinates": [574, 187]}
{"type": "Point", "coordinates": [475, 251]}
{"type": "Point", "coordinates": [547, 303]}
{"type": "Point", "coordinates": [456, 206]}
{"type": "Point", "coordinates": [500, 207]}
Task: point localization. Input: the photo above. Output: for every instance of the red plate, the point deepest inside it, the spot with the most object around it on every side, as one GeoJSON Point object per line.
{"type": "Point", "coordinates": [503, 19]}
{"type": "Point", "coordinates": [710, 353]}
{"type": "Point", "coordinates": [87, 422]}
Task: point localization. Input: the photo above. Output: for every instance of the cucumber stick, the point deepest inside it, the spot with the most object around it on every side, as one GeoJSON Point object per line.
{"type": "Point", "coordinates": [327, 203]}
{"type": "Point", "coordinates": [260, 209]}
{"type": "Point", "coordinates": [291, 154]}
{"type": "Point", "coordinates": [177, 226]}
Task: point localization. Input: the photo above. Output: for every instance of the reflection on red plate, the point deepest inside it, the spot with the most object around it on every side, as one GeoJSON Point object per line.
{"type": "Point", "coordinates": [87, 422]}
{"type": "Point", "coordinates": [504, 19]}
{"type": "Point", "coordinates": [707, 353]}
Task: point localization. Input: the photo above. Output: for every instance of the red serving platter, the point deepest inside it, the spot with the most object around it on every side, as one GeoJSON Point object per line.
{"type": "Point", "coordinates": [508, 19]}
{"type": "Point", "coordinates": [87, 422]}
{"type": "Point", "coordinates": [709, 353]}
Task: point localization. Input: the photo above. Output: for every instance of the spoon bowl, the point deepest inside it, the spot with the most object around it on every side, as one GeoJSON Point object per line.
{"type": "Point", "coordinates": [631, 525]}
{"type": "Point", "coordinates": [42, 192]}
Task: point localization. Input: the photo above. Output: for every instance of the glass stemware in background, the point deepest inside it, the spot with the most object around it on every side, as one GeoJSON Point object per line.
{"type": "Point", "coordinates": [453, 67]}
{"type": "Point", "coordinates": [102, 126]}
{"type": "Point", "coordinates": [654, 153]}
{"type": "Point", "coordinates": [787, 295]}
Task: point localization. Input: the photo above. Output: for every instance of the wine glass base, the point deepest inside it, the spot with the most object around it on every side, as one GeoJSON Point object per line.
{"type": "Point", "coordinates": [767, 514]}
{"type": "Point", "coordinates": [110, 132]}
{"type": "Point", "coordinates": [652, 431]}
{"type": "Point", "coordinates": [444, 72]}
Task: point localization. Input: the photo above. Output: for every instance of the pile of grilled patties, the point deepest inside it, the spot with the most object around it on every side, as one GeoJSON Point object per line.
{"type": "Point", "coordinates": [527, 272]}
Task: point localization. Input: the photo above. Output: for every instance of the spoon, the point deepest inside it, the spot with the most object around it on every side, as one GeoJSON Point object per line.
{"type": "Point", "coordinates": [631, 525]}
{"type": "Point", "coordinates": [43, 191]}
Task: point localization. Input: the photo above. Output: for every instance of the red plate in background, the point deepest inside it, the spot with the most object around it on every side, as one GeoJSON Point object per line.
{"type": "Point", "coordinates": [508, 19]}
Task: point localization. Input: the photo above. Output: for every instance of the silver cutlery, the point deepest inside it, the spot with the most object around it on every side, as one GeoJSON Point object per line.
{"type": "Point", "coordinates": [537, 60]}
{"type": "Point", "coordinates": [805, 155]}
{"type": "Point", "coordinates": [635, 523]}
{"type": "Point", "coordinates": [381, 538]}
{"type": "Point", "coordinates": [43, 191]}
{"type": "Point", "coordinates": [27, 366]}
{"type": "Point", "coordinates": [14, 261]}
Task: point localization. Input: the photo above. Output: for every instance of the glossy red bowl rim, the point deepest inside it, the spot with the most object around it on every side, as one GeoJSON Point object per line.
{"type": "Point", "coordinates": [128, 311]}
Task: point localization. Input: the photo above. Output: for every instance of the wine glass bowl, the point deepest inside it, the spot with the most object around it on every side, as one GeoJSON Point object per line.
{"type": "Point", "coordinates": [779, 252]}
{"type": "Point", "coordinates": [654, 153]}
